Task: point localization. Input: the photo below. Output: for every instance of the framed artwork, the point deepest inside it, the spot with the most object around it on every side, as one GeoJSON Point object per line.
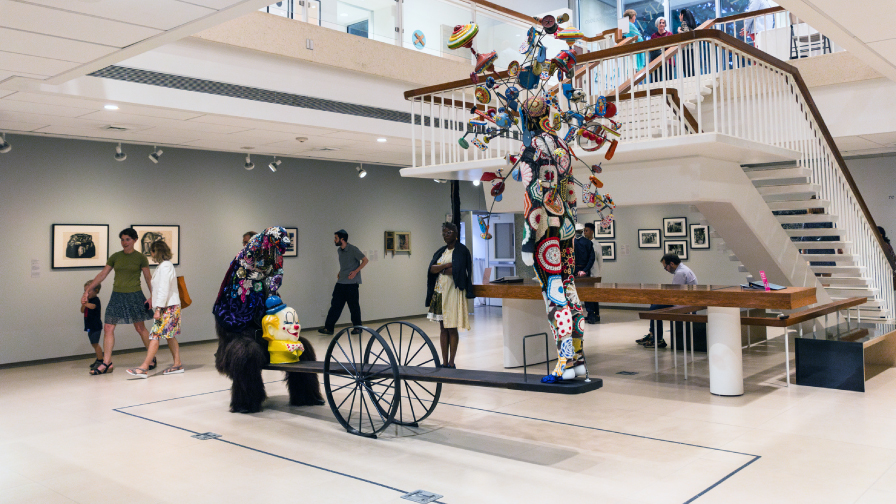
{"type": "Point", "coordinates": [403, 242]}
{"type": "Point", "coordinates": [390, 241]}
{"type": "Point", "coordinates": [608, 251]}
{"type": "Point", "coordinates": [675, 227]}
{"type": "Point", "coordinates": [80, 246]}
{"type": "Point", "coordinates": [649, 238]}
{"type": "Point", "coordinates": [699, 235]}
{"type": "Point", "coordinates": [603, 234]}
{"type": "Point", "coordinates": [293, 249]}
{"type": "Point", "coordinates": [149, 234]}
{"type": "Point", "coordinates": [677, 247]}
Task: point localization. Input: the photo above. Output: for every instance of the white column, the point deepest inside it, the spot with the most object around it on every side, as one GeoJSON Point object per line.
{"type": "Point", "coordinates": [726, 370]}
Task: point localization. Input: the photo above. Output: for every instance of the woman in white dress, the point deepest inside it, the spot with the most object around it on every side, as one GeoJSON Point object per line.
{"type": "Point", "coordinates": [449, 285]}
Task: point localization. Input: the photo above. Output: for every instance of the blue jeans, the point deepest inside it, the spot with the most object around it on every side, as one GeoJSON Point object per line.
{"type": "Point", "coordinates": [657, 324]}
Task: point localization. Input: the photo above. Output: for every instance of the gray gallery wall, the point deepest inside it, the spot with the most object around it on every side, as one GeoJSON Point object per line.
{"type": "Point", "coordinates": [49, 181]}
{"type": "Point", "coordinates": [875, 177]}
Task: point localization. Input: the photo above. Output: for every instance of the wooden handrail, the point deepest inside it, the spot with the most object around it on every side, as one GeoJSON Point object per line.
{"type": "Point", "coordinates": [685, 314]}
{"type": "Point", "coordinates": [748, 15]}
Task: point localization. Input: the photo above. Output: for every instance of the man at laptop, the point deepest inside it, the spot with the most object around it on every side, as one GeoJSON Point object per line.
{"type": "Point", "coordinates": [681, 275]}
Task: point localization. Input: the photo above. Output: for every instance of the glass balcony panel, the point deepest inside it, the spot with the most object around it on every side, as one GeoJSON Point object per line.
{"type": "Point", "coordinates": [436, 20]}
{"type": "Point", "coordinates": [372, 19]}
{"type": "Point", "coordinates": [596, 16]}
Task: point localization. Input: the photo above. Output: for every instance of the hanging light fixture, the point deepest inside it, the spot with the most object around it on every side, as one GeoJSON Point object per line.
{"type": "Point", "coordinates": [361, 171]}
{"type": "Point", "coordinates": [274, 164]}
{"type": "Point", "coordinates": [155, 155]}
{"type": "Point", "coordinates": [119, 155]}
{"type": "Point", "coordinates": [249, 164]}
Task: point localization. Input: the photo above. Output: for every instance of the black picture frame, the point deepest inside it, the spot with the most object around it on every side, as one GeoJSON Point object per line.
{"type": "Point", "coordinates": [678, 247]}
{"type": "Point", "coordinates": [79, 246]}
{"type": "Point", "coordinates": [293, 249]}
{"type": "Point", "coordinates": [675, 227]}
{"type": "Point", "coordinates": [148, 233]}
{"type": "Point", "coordinates": [645, 241]}
{"type": "Point", "coordinates": [608, 251]}
{"type": "Point", "coordinates": [698, 236]}
{"type": "Point", "coordinates": [603, 234]}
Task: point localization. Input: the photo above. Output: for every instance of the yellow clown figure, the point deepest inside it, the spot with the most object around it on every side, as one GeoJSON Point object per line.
{"type": "Point", "coordinates": [281, 328]}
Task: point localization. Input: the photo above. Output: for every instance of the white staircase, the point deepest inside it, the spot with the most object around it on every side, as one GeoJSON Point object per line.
{"type": "Point", "coordinates": [807, 220]}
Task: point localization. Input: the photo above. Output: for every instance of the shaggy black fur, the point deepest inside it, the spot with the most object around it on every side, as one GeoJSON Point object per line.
{"type": "Point", "coordinates": [242, 356]}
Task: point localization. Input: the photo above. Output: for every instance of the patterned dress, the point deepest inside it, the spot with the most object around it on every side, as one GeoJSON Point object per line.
{"type": "Point", "coordinates": [448, 304]}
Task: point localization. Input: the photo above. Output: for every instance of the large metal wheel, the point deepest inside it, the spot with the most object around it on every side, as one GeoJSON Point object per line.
{"type": "Point", "coordinates": [362, 381]}
{"type": "Point", "coordinates": [413, 348]}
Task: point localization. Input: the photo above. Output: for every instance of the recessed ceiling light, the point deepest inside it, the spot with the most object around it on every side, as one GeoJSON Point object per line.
{"type": "Point", "coordinates": [247, 148]}
{"type": "Point", "coordinates": [111, 107]}
{"type": "Point", "coordinates": [380, 140]}
{"type": "Point", "coordinates": [302, 139]}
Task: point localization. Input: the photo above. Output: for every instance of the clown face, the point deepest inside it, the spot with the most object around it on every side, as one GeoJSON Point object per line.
{"type": "Point", "coordinates": [289, 325]}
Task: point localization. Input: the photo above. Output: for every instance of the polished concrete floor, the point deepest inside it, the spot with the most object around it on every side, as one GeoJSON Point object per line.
{"type": "Point", "coordinates": [643, 438]}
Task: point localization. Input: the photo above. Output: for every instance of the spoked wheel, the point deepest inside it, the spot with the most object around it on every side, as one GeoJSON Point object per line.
{"type": "Point", "coordinates": [413, 348]}
{"type": "Point", "coordinates": [361, 379]}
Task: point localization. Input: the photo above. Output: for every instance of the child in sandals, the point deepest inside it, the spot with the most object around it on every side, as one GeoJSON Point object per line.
{"type": "Point", "coordinates": [166, 312]}
{"type": "Point", "coordinates": [93, 323]}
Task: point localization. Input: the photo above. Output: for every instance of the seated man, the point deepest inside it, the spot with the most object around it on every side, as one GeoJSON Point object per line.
{"type": "Point", "coordinates": [682, 275]}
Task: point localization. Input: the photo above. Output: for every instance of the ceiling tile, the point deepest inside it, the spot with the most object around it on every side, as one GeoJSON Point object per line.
{"type": "Point", "coordinates": [35, 44]}
{"type": "Point", "coordinates": [4, 92]}
{"type": "Point", "coordinates": [854, 143]}
{"type": "Point", "coordinates": [118, 116]}
{"type": "Point", "coordinates": [33, 64]}
{"type": "Point", "coordinates": [41, 108]}
{"type": "Point", "coordinates": [264, 137]}
{"type": "Point", "coordinates": [37, 19]}
{"type": "Point", "coordinates": [159, 14]}
{"type": "Point", "coordinates": [19, 126]}
{"type": "Point", "coordinates": [49, 119]}
{"type": "Point", "coordinates": [881, 138]}
{"type": "Point", "coordinates": [217, 4]}
{"type": "Point", "coordinates": [886, 48]}
{"type": "Point", "coordinates": [124, 108]}
{"type": "Point", "coordinates": [298, 129]}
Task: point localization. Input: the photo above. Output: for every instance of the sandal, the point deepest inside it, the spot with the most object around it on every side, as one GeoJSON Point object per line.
{"type": "Point", "coordinates": [138, 372]}
{"type": "Point", "coordinates": [174, 370]}
{"type": "Point", "coordinates": [96, 363]}
{"type": "Point", "coordinates": [153, 365]}
{"type": "Point", "coordinates": [107, 368]}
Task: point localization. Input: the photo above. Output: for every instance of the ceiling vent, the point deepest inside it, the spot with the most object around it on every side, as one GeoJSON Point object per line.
{"type": "Point", "coordinates": [326, 149]}
{"type": "Point", "coordinates": [113, 127]}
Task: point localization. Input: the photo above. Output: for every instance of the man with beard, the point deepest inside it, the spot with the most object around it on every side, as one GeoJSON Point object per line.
{"type": "Point", "coordinates": [351, 262]}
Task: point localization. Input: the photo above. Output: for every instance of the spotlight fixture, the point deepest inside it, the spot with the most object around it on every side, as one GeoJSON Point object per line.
{"type": "Point", "coordinates": [274, 164]}
{"type": "Point", "coordinates": [120, 156]}
{"type": "Point", "coordinates": [249, 164]}
{"type": "Point", "coordinates": [361, 171]}
{"type": "Point", "coordinates": [476, 182]}
{"type": "Point", "coordinates": [4, 145]}
{"type": "Point", "coordinates": [111, 107]}
{"type": "Point", "coordinates": [155, 155]}
{"type": "Point", "coordinates": [381, 140]}
{"type": "Point", "coordinates": [440, 181]}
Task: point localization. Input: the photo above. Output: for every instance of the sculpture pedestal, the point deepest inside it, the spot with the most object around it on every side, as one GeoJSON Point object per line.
{"type": "Point", "coordinates": [521, 317]}
{"type": "Point", "coordinates": [726, 372]}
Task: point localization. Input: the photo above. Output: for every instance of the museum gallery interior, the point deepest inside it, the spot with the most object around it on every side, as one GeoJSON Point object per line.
{"type": "Point", "coordinates": [452, 251]}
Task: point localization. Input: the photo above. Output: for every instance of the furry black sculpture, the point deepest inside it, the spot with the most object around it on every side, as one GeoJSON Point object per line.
{"type": "Point", "coordinates": [254, 275]}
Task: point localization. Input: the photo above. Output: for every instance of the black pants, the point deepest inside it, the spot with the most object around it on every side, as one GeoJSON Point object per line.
{"type": "Point", "coordinates": [593, 309]}
{"type": "Point", "coordinates": [344, 293]}
{"type": "Point", "coordinates": [657, 324]}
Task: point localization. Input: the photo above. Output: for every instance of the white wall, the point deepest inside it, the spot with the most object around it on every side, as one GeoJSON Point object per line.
{"type": "Point", "coordinates": [214, 200]}
{"type": "Point", "coordinates": [876, 180]}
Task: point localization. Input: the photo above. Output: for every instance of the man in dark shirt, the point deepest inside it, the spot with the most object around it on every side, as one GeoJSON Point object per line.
{"type": "Point", "coordinates": [351, 262]}
{"type": "Point", "coordinates": [584, 253]}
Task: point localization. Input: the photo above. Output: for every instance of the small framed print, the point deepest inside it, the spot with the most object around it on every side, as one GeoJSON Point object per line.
{"type": "Point", "coordinates": [403, 242]}
{"type": "Point", "coordinates": [293, 249]}
{"type": "Point", "coordinates": [149, 234]}
{"type": "Point", "coordinates": [608, 251]}
{"type": "Point", "coordinates": [675, 227]}
{"type": "Point", "coordinates": [80, 246]}
{"type": "Point", "coordinates": [677, 247]}
{"type": "Point", "coordinates": [649, 238]}
{"type": "Point", "coordinates": [699, 236]}
{"type": "Point", "coordinates": [604, 233]}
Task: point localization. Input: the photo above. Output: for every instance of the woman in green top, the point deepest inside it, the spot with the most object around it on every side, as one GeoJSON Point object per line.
{"type": "Point", "coordinates": [127, 304]}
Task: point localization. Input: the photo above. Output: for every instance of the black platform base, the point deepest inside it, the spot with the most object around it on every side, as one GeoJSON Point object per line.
{"type": "Point", "coordinates": [830, 364]}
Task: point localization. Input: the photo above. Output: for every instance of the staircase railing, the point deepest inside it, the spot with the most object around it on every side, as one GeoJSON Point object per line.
{"type": "Point", "coordinates": [715, 84]}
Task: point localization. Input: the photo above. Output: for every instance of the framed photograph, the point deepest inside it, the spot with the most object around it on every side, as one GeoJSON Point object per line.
{"type": "Point", "coordinates": [649, 238]}
{"type": "Point", "coordinates": [677, 247]}
{"type": "Point", "coordinates": [699, 235]}
{"type": "Point", "coordinates": [402, 242]}
{"type": "Point", "coordinates": [390, 241]}
{"type": "Point", "coordinates": [603, 234]}
{"type": "Point", "coordinates": [293, 249]}
{"type": "Point", "coordinates": [675, 227]}
{"type": "Point", "coordinates": [148, 234]}
{"type": "Point", "coordinates": [608, 251]}
{"type": "Point", "coordinates": [80, 246]}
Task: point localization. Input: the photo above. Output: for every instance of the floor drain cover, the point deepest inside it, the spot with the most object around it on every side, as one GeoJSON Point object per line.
{"type": "Point", "coordinates": [206, 436]}
{"type": "Point", "coordinates": [627, 373]}
{"type": "Point", "coordinates": [421, 496]}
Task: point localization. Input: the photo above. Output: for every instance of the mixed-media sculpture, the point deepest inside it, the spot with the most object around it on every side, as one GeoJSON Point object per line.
{"type": "Point", "coordinates": [529, 110]}
{"type": "Point", "coordinates": [255, 328]}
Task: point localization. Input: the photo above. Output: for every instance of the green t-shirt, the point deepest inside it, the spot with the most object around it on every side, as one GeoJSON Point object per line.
{"type": "Point", "coordinates": [128, 268]}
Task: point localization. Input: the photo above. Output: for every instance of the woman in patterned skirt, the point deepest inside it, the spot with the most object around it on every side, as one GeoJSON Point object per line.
{"type": "Point", "coordinates": [166, 312]}
{"type": "Point", "coordinates": [449, 285]}
{"type": "Point", "coordinates": [127, 304]}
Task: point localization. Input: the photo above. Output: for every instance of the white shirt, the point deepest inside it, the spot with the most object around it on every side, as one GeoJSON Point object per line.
{"type": "Point", "coordinates": [598, 259]}
{"type": "Point", "coordinates": [164, 286]}
{"type": "Point", "coordinates": [684, 276]}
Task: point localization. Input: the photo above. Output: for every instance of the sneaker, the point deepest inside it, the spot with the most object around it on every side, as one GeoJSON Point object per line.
{"type": "Point", "coordinates": [324, 330]}
{"type": "Point", "coordinates": [592, 320]}
{"type": "Point", "coordinates": [661, 344]}
{"type": "Point", "coordinates": [645, 339]}
{"type": "Point", "coordinates": [356, 331]}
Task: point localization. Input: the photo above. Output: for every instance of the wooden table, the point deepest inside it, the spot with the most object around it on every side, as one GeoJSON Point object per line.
{"type": "Point", "coordinates": [723, 304]}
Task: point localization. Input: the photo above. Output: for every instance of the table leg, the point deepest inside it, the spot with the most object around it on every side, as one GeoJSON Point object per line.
{"type": "Point", "coordinates": [726, 370]}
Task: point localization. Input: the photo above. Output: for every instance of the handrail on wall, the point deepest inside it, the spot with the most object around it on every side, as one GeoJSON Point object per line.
{"type": "Point", "coordinates": [717, 36]}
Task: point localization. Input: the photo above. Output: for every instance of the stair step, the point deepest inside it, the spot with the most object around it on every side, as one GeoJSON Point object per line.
{"type": "Point", "coordinates": [848, 292]}
{"type": "Point", "coordinates": [806, 218]}
{"type": "Point", "coordinates": [837, 258]}
{"type": "Point", "coordinates": [822, 245]}
{"type": "Point", "coordinates": [783, 173]}
{"type": "Point", "coordinates": [732, 257]}
{"type": "Point", "coordinates": [798, 204]}
{"type": "Point", "coordinates": [814, 232]}
{"type": "Point", "coordinates": [783, 165]}
{"type": "Point", "coordinates": [789, 192]}
{"type": "Point", "coordinates": [871, 313]}
{"type": "Point", "coordinates": [845, 270]}
{"type": "Point", "coordinates": [872, 303]}
{"type": "Point", "coordinates": [741, 268]}
{"type": "Point", "coordinates": [844, 281]}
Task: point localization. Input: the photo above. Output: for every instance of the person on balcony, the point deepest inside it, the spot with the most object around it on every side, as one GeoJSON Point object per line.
{"type": "Point", "coordinates": [688, 24]}
{"type": "Point", "coordinates": [661, 31]}
{"type": "Point", "coordinates": [755, 25]}
{"type": "Point", "coordinates": [634, 31]}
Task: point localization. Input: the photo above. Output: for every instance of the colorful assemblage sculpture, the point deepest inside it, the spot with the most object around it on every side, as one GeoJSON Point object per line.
{"type": "Point", "coordinates": [281, 328]}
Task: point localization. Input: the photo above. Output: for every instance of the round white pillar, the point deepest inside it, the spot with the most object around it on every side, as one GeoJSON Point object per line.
{"type": "Point", "coordinates": [726, 370]}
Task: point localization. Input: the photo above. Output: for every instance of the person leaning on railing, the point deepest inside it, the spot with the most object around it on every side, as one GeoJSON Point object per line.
{"type": "Point", "coordinates": [688, 24]}
{"type": "Point", "coordinates": [634, 31]}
